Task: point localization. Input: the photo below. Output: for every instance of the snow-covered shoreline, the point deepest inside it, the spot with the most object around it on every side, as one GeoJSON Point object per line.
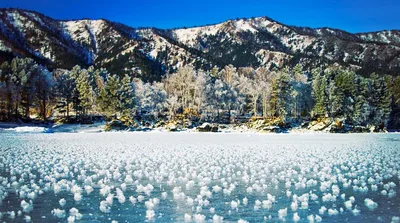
{"type": "Point", "coordinates": [99, 128]}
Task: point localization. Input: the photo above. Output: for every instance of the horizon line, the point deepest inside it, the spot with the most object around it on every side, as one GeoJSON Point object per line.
{"type": "Point", "coordinates": [195, 26]}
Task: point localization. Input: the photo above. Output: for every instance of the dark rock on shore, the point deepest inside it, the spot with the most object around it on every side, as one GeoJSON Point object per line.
{"type": "Point", "coordinates": [207, 127]}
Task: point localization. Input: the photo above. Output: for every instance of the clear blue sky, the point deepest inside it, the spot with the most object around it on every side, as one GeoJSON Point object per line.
{"type": "Point", "coordinates": [350, 15]}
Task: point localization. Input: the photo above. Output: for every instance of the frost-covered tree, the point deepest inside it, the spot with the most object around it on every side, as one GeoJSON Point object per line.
{"type": "Point", "coordinates": [228, 74]}
{"type": "Point", "coordinates": [181, 85]}
{"type": "Point", "coordinates": [222, 97]}
{"type": "Point", "coordinates": [301, 92]}
{"type": "Point", "coordinates": [18, 78]}
{"type": "Point", "coordinates": [152, 98]}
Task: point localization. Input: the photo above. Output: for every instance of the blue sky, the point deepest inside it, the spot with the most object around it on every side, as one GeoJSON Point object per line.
{"type": "Point", "coordinates": [350, 15]}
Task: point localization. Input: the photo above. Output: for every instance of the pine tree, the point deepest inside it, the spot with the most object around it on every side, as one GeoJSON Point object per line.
{"type": "Point", "coordinates": [284, 97]}
{"type": "Point", "coordinates": [336, 99]}
{"type": "Point", "coordinates": [319, 85]}
{"type": "Point", "coordinates": [65, 87]}
{"type": "Point", "coordinates": [85, 91]}
{"type": "Point", "coordinates": [102, 101]}
{"type": "Point", "coordinates": [395, 89]}
{"type": "Point", "coordinates": [362, 108]}
{"type": "Point", "coordinates": [111, 99]}
{"type": "Point", "coordinates": [20, 72]}
{"type": "Point", "coordinates": [126, 94]}
{"type": "Point", "coordinates": [44, 85]}
{"type": "Point", "coordinates": [381, 100]}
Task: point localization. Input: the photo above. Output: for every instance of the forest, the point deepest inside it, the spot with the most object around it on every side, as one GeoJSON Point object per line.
{"type": "Point", "coordinates": [289, 97]}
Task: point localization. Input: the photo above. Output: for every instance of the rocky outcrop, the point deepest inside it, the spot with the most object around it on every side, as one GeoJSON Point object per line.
{"type": "Point", "coordinates": [207, 127]}
{"type": "Point", "coordinates": [116, 125]}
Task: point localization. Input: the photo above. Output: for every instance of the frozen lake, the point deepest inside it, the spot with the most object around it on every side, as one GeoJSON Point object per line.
{"type": "Point", "coordinates": [199, 177]}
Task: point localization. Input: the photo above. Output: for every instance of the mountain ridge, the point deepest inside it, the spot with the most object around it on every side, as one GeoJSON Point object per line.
{"type": "Point", "coordinates": [149, 53]}
{"type": "Point", "coordinates": [196, 26]}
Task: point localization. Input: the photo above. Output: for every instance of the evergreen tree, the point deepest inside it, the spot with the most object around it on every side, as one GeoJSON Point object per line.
{"type": "Point", "coordinates": [344, 91]}
{"type": "Point", "coordinates": [126, 93]}
{"type": "Point", "coordinates": [336, 99]}
{"type": "Point", "coordinates": [283, 93]}
{"type": "Point", "coordinates": [109, 96]}
{"type": "Point", "coordinates": [44, 85]}
{"type": "Point", "coordinates": [395, 89]}
{"type": "Point", "coordinates": [65, 87]}
{"type": "Point", "coordinates": [381, 100]}
{"type": "Point", "coordinates": [362, 109]}
{"type": "Point", "coordinates": [319, 85]}
{"type": "Point", "coordinates": [85, 91]}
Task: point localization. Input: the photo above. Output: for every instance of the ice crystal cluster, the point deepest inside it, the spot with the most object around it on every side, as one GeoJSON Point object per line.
{"type": "Point", "coordinates": [192, 177]}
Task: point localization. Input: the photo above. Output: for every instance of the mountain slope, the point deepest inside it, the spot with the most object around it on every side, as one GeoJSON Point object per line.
{"type": "Point", "coordinates": [149, 53]}
{"type": "Point", "coordinates": [255, 41]}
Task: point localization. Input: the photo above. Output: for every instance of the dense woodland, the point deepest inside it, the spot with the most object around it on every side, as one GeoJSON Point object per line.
{"type": "Point", "coordinates": [28, 91]}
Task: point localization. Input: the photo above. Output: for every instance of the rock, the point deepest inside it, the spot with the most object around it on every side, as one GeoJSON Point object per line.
{"type": "Point", "coordinates": [159, 124]}
{"type": "Point", "coordinates": [372, 128]}
{"type": "Point", "coordinates": [359, 129]}
{"type": "Point", "coordinates": [320, 125]}
{"type": "Point", "coordinates": [171, 127]}
{"type": "Point", "coordinates": [116, 125]}
{"type": "Point", "coordinates": [274, 129]}
{"type": "Point", "coordinates": [337, 127]}
{"type": "Point", "coordinates": [207, 127]}
{"type": "Point", "coordinates": [378, 128]}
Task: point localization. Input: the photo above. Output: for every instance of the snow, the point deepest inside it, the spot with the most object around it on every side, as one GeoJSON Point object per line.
{"type": "Point", "coordinates": [26, 207]}
{"type": "Point", "coordinates": [3, 47]}
{"type": "Point", "coordinates": [189, 35]}
{"type": "Point", "coordinates": [18, 21]}
{"type": "Point", "coordinates": [262, 22]}
{"type": "Point", "coordinates": [62, 202]}
{"type": "Point", "coordinates": [79, 128]}
{"type": "Point", "coordinates": [370, 204]}
{"type": "Point", "coordinates": [88, 32]}
{"type": "Point", "coordinates": [296, 217]}
{"type": "Point", "coordinates": [25, 129]}
{"type": "Point", "coordinates": [242, 25]}
{"type": "Point", "coordinates": [97, 26]}
{"type": "Point", "coordinates": [158, 43]}
{"type": "Point", "coordinates": [199, 177]}
{"type": "Point", "coordinates": [58, 213]}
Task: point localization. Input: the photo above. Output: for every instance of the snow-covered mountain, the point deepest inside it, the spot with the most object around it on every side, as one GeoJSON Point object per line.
{"type": "Point", "coordinates": [149, 52]}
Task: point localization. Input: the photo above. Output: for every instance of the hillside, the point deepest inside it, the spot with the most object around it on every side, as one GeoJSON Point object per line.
{"type": "Point", "coordinates": [148, 53]}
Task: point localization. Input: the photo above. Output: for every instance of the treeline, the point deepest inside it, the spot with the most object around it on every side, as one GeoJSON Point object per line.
{"type": "Point", "coordinates": [220, 95]}
{"type": "Point", "coordinates": [24, 86]}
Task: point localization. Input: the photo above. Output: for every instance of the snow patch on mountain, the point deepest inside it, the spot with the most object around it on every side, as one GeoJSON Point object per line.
{"type": "Point", "coordinates": [189, 35]}
{"type": "Point", "coordinates": [242, 25]}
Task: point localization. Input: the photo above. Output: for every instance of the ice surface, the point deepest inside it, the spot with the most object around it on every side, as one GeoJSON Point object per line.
{"type": "Point", "coordinates": [28, 129]}
{"type": "Point", "coordinates": [194, 177]}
